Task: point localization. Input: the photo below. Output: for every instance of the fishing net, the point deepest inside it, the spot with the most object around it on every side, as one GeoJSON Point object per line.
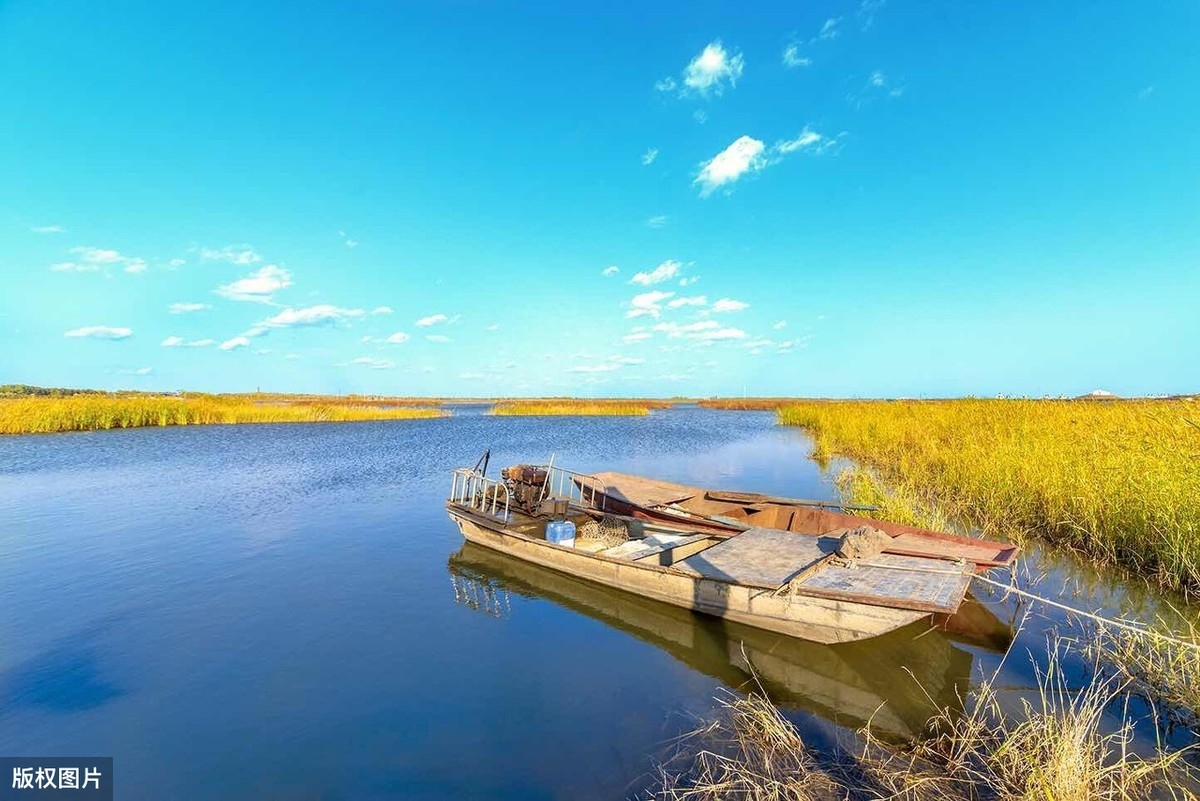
{"type": "Point", "coordinates": [609, 531]}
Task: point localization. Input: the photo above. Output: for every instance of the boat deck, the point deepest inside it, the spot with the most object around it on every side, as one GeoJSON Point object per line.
{"type": "Point", "coordinates": [769, 558]}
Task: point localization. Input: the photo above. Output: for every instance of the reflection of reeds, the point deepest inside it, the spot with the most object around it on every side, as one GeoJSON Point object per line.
{"type": "Point", "coordinates": [1115, 481]}
{"type": "Point", "coordinates": [95, 411]}
{"type": "Point", "coordinates": [1058, 745]}
{"type": "Point", "coordinates": [570, 407]}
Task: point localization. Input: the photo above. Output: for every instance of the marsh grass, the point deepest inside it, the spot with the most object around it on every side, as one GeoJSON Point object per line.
{"type": "Point", "coordinates": [570, 407]}
{"type": "Point", "coordinates": [1114, 481]}
{"type": "Point", "coordinates": [92, 412]}
{"type": "Point", "coordinates": [1165, 669]}
{"type": "Point", "coordinates": [1053, 746]}
{"type": "Point", "coordinates": [744, 404]}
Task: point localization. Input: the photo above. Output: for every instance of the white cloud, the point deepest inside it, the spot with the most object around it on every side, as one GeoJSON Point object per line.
{"type": "Point", "coordinates": [647, 303]}
{"type": "Point", "coordinates": [806, 138]}
{"type": "Point", "coordinates": [322, 314]}
{"type": "Point", "coordinates": [689, 280]}
{"type": "Point", "coordinates": [494, 327]}
{"type": "Point", "coordinates": [100, 332]}
{"type": "Point", "coordinates": [438, 338]}
{"type": "Point", "coordinates": [179, 342]}
{"type": "Point", "coordinates": [135, 265]}
{"type": "Point", "coordinates": [57, 229]}
{"type": "Point", "coordinates": [137, 371]}
{"type": "Point", "coordinates": [176, 263]}
{"type": "Point", "coordinates": [877, 79]}
{"type": "Point", "coordinates": [663, 272]}
{"type": "Point", "coordinates": [593, 368]}
{"type": "Point", "coordinates": [720, 334]}
{"type": "Point", "coordinates": [98, 255]}
{"type": "Point", "coordinates": [625, 360]}
{"type": "Point", "coordinates": [667, 84]}
{"type": "Point", "coordinates": [649, 156]}
{"type": "Point", "coordinates": [381, 310]}
{"type": "Point", "coordinates": [657, 221]}
{"type": "Point", "coordinates": [241, 255]}
{"type": "Point", "coordinates": [792, 57]}
{"type": "Point", "coordinates": [397, 338]}
{"type": "Point", "coordinates": [374, 364]}
{"type": "Point", "coordinates": [695, 300]}
{"type": "Point", "coordinates": [185, 308]}
{"type": "Point", "coordinates": [74, 267]}
{"type": "Point", "coordinates": [744, 155]}
{"type": "Point", "coordinates": [779, 326]}
{"type": "Point", "coordinates": [436, 319]}
{"type": "Point", "coordinates": [259, 286]}
{"type": "Point", "coordinates": [712, 69]}
{"type": "Point", "coordinates": [829, 30]}
{"type": "Point", "coordinates": [608, 272]}
{"type": "Point", "coordinates": [636, 336]}
{"type": "Point", "coordinates": [728, 305]}
{"type": "Point", "coordinates": [471, 376]}
{"type": "Point", "coordinates": [676, 330]}
{"type": "Point", "coordinates": [234, 344]}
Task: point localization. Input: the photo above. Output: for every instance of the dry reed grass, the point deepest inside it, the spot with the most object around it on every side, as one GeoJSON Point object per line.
{"type": "Point", "coordinates": [1054, 746]}
{"type": "Point", "coordinates": [1114, 481]}
{"type": "Point", "coordinates": [37, 415]}
{"type": "Point", "coordinates": [570, 407]}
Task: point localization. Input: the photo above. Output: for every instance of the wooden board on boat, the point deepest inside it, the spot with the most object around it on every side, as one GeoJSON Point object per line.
{"type": "Point", "coordinates": [768, 558]}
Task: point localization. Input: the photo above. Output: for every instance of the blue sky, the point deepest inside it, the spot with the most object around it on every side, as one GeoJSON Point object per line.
{"type": "Point", "coordinates": [873, 198]}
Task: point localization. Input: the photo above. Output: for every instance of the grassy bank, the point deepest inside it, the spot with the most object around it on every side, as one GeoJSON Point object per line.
{"type": "Point", "coordinates": [37, 415]}
{"type": "Point", "coordinates": [571, 407]}
{"type": "Point", "coordinates": [744, 404]}
{"type": "Point", "coordinates": [1115, 481]}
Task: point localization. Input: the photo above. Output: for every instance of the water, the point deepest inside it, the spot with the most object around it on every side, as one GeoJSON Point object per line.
{"type": "Point", "coordinates": [286, 611]}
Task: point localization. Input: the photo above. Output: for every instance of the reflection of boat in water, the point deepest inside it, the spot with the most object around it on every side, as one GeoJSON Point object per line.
{"type": "Point", "coordinates": [893, 681]}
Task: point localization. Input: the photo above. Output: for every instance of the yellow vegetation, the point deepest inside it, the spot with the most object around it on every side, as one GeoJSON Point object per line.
{"type": "Point", "coordinates": [36, 415]}
{"type": "Point", "coordinates": [571, 407]}
{"type": "Point", "coordinates": [1116, 480]}
{"type": "Point", "coordinates": [744, 404]}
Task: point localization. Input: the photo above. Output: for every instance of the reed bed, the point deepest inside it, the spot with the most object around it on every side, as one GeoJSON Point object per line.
{"type": "Point", "coordinates": [38, 415]}
{"type": "Point", "coordinates": [1114, 481]}
{"type": "Point", "coordinates": [570, 407]}
{"type": "Point", "coordinates": [745, 404]}
{"type": "Point", "coordinates": [1056, 745]}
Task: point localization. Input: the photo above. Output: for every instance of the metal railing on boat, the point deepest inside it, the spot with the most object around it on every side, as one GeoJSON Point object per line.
{"type": "Point", "coordinates": [582, 488]}
{"type": "Point", "coordinates": [476, 491]}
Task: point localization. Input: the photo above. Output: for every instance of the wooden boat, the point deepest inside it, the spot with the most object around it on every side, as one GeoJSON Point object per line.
{"type": "Point", "coordinates": [764, 577]}
{"type": "Point", "coordinates": [890, 682]}
{"type": "Point", "coordinates": [727, 513]}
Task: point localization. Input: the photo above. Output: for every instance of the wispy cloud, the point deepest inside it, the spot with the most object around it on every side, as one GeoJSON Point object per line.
{"type": "Point", "coordinates": [779, 326]}
{"type": "Point", "coordinates": [712, 70]}
{"type": "Point", "coordinates": [259, 286]}
{"type": "Point", "coordinates": [137, 371]}
{"type": "Point", "coordinates": [322, 314]}
{"type": "Point", "coordinates": [636, 336]}
{"type": "Point", "coordinates": [695, 300]}
{"type": "Point", "coordinates": [689, 280]}
{"type": "Point", "coordinates": [647, 304]}
{"type": "Point", "coordinates": [437, 319]}
{"type": "Point", "coordinates": [793, 59]}
{"type": "Point", "coordinates": [743, 156]}
{"type": "Point", "coordinates": [102, 258]}
{"type": "Point", "coordinates": [347, 241]}
{"type": "Point", "coordinates": [186, 308]}
{"type": "Point", "coordinates": [593, 368]}
{"type": "Point", "coordinates": [609, 272]}
{"type": "Point", "coordinates": [56, 229]}
{"type": "Point", "coordinates": [74, 267]}
{"type": "Point", "coordinates": [657, 221]}
{"type": "Point", "coordinates": [649, 156]}
{"type": "Point", "coordinates": [867, 10]}
{"type": "Point", "coordinates": [663, 272]}
{"type": "Point", "coordinates": [234, 344]}
{"type": "Point", "coordinates": [381, 310]}
{"type": "Point", "coordinates": [729, 305]}
{"type": "Point", "coordinates": [829, 29]}
{"type": "Point", "coordinates": [439, 338]}
{"type": "Point", "coordinates": [241, 255]}
{"type": "Point", "coordinates": [99, 332]}
{"type": "Point", "coordinates": [374, 364]}
{"type": "Point", "coordinates": [397, 338]}
{"type": "Point", "coordinates": [180, 342]}
{"type": "Point", "coordinates": [676, 330]}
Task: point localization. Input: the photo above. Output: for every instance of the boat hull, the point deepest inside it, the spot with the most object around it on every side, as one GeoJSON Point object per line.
{"type": "Point", "coordinates": [823, 620]}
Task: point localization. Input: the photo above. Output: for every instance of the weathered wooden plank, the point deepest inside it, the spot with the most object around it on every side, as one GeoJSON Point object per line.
{"type": "Point", "coordinates": [761, 557]}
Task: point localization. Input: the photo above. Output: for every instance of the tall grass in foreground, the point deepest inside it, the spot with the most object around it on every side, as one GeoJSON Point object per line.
{"type": "Point", "coordinates": [1052, 747]}
{"type": "Point", "coordinates": [92, 412]}
{"type": "Point", "coordinates": [1115, 481]}
{"type": "Point", "coordinates": [570, 407]}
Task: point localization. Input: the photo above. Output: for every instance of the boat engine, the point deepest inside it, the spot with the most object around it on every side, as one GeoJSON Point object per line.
{"type": "Point", "coordinates": [527, 485]}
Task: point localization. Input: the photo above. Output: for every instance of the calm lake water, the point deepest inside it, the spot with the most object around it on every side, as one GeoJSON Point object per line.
{"type": "Point", "coordinates": [286, 612]}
